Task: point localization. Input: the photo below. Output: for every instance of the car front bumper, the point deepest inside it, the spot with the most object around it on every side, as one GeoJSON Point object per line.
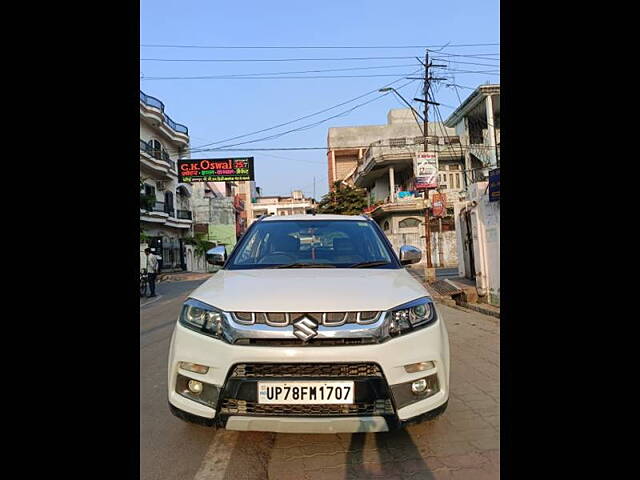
{"type": "Point", "coordinates": [428, 344]}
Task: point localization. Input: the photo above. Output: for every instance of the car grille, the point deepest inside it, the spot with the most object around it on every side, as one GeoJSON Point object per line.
{"type": "Point", "coordinates": [243, 407]}
{"type": "Point", "coordinates": [264, 370]}
{"type": "Point", "coordinates": [283, 319]}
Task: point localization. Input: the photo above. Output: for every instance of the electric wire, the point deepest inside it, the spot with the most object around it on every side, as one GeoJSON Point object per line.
{"type": "Point", "coordinates": [318, 47]}
{"type": "Point", "coordinates": [298, 119]}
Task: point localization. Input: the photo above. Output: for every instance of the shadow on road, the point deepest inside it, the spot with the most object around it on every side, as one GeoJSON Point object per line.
{"type": "Point", "coordinates": [393, 449]}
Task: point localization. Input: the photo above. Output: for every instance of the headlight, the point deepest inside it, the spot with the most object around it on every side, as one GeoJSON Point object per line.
{"type": "Point", "coordinates": [409, 316]}
{"type": "Point", "coordinates": [202, 318]}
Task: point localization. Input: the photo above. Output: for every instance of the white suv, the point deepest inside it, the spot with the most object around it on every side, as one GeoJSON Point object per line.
{"type": "Point", "coordinates": [312, 325]}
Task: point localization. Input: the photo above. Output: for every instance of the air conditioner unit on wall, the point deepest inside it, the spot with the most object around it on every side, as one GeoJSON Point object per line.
{"type": "Point", "coordinates": [161, 186]}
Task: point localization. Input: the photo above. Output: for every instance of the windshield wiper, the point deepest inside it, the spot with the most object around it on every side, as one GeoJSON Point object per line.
{"type": "Point", "coordinates": [305, 265]}
{"type": "Point", "coordinates": [369, 264]}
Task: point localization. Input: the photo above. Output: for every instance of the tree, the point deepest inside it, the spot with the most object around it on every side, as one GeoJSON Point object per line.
{"type": "Point", "coordinates": [343, 200]}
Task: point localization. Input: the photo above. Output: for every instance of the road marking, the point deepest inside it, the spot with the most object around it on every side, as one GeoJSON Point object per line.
{"type": "Point", "coordinates": [218, 456]}
{"type": "Point", "coordinates": [151, 301]}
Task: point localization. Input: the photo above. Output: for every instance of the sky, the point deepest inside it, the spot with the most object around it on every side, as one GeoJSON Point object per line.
{"type": "Point", "coordinates": [215, 110]}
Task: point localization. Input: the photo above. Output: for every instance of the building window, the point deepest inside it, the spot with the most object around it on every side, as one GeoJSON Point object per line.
{"type": "Point", "coordinates": [409, 223]}
{"type": "Point", "coordinates": [457, 180]}
{"type": "Point", "coordinates": [168, 203]}
{"type": "Point", "coordinates": [385, 227]}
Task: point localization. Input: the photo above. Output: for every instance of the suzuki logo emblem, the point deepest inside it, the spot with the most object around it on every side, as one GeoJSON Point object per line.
{"type": "Point", "coordinates": [305, 329]}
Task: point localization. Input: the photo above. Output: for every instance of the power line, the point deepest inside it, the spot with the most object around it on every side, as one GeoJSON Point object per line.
{"type": "Point", "coordinates": [317, 47]}
{"type": "Point", "coordinates": [302, 77]}
{"type": "Point", "coordinates": [300, 118]}
{"type": "Point", "coordinates": [270, 78]}
{"type": "Point", "coordinates": [333, 147]}
{"type": "Point", "coordinates": [331, 59]}
{"type": "Point", "coordinates": [467, 63]}
{"type": "Point", "coordinates": [314, 59]}
{"type": "Point", "coordinates": [258, 75]}
{"type": "Point", "coordinates": [305, 127]}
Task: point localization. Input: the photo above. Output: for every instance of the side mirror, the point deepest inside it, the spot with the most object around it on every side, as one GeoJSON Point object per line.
{"type": "Point", "coordinates": [215, 259]}
{"type": "Point", "coordinates": [409, 255]}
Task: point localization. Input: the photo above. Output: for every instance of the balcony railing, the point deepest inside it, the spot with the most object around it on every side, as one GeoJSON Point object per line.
{"type": "Point", "coordinates": [155, 103]}
{"type": "Point", "coordinates": [184, 214]}
{"type": "Point", "coordinates": [157, 154]}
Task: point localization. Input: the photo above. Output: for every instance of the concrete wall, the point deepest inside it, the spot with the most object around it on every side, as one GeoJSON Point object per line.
{"type": "Point", "coordinates": [398, 236]}
{"type": "Point", "coordinates": [485, 230]}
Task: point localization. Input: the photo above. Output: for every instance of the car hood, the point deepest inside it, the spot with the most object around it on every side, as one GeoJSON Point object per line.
{"type": "Point", "coordinates": [309, 289]}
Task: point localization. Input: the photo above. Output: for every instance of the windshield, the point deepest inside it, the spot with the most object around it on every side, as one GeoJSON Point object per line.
{"type": "Point", "coordinates": [312, 244]}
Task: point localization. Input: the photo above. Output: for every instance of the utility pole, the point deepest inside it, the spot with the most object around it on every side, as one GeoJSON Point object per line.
{"type": "Point", "coordinates": [429, 271]}
{"type": "Point", "coordinates": [427, 226]}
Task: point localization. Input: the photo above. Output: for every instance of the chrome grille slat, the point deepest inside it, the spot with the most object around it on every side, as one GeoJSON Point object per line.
{"type": "Point", "coordinates": [283, 319]}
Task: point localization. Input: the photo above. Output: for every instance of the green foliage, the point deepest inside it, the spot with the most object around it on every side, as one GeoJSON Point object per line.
{"type": "Point", "coordinates": [343, 200]}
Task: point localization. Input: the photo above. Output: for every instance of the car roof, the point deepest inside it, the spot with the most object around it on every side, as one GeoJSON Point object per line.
{"type": "Point", "coordinates": [272, 218]}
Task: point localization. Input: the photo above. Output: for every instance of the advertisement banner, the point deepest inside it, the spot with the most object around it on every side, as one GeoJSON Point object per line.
{"type": "Point", "coordinates": [215, 170]}
{"type": "Point", "coordinates": [439, 205]}
{"type": "Point", "coordinates": [494, 185]}
{"type": "Point", "coordinates": [425, 169]}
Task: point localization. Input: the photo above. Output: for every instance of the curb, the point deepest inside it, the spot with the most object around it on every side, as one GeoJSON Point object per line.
{"type": "Point", "coordinates": [478, 308]}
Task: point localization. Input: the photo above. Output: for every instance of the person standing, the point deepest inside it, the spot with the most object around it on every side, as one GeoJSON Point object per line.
{"type": "Point", "coordinates": [152, 270]}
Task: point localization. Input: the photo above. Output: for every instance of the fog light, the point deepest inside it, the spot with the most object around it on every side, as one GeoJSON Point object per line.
{"type": "Point", "coordinates": [195, 386]}
{"type": "Point", "coordinates": [419, 386]}
{"type": "Point", "coordinates": [419, 367]}
{"type": "Point", "coordinates": [194, 367]}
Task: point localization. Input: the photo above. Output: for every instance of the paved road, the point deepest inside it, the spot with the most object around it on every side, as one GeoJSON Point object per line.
{"type": "Point", "coordinates": [461, 444]}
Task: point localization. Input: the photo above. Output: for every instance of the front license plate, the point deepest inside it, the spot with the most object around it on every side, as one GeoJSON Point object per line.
{"type": "Point", "coordinates": [308, 393]}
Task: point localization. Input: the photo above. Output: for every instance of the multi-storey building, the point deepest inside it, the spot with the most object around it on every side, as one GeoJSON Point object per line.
{"type": "Point", "coordinates": [222, 210]}
{"type": "Point", "coordinates": [165, 205]}
{"type": "Point", "coordinates": [477, 213]}
{"type": "Point", "coordinates": [380, 158]}
{"type": "Point", "coordinates": [296, 204]}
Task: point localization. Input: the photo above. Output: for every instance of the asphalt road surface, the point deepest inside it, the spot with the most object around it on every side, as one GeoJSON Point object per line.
{"type": "Point", "coordinates": [462, 443]}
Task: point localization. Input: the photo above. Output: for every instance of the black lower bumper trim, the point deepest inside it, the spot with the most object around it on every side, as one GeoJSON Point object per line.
{"type": "Point", "coordinates": [191, 418]}
{"type": "Point", "coordinates": [425, 417]}
{"type": "Point", "coordinates": [393, 422]}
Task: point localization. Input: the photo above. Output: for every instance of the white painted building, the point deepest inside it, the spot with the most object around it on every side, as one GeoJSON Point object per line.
{"type": "Point", "coordinates": [296, 204]}
{"type": "Point", "coordinates": [477, 123]}
{"type": "Point", "coordinates": [165, 205]}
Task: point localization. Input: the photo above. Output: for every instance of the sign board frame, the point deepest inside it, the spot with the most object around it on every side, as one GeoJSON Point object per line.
{"type": "Point", "coordinates": [425, 170]}
{"type": "Point", "coordinates": [494, 185]}
{"type": "Point", "coordinates": [228, 169]}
